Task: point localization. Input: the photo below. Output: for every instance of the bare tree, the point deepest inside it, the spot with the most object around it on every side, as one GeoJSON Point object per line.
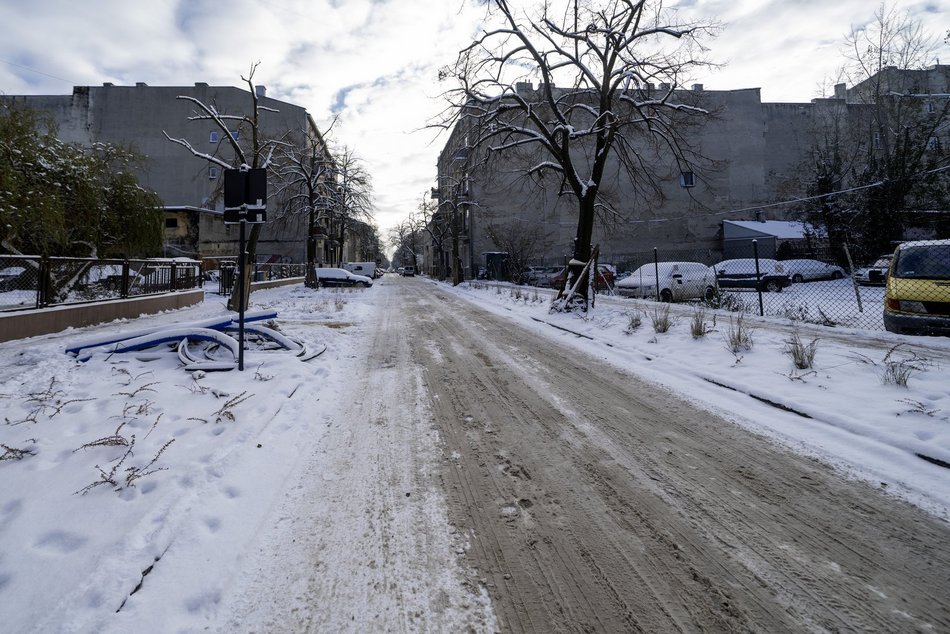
{"type": "Point", "coordinates": [352, 196]}
{"type": "Point", "coordinates": [608, 55]}
{"type": "Point", "coordinates": [454, 207]}
{"type": "Point", "coordinates": [438, 226]}
{"type": "Point", "coordinates": [258, 155]}
{"type": "Point", "coordinates": [407, 237]}
{"type": "Point", "coordinates": [899, 129]}
{"type": "Point", "coordinates": [520, 240]}
{"type": "Point", "coordinates": [306, 181]}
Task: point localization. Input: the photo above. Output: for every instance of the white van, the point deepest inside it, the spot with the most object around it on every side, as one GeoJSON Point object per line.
{"type": "Point", "coordinates": [362, 268]}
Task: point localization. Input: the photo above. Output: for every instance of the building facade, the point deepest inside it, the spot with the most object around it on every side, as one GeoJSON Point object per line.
{"type": "Point", "coordinates": [751, 158]}
{"type": "Point", "coordinates": [146, 117]}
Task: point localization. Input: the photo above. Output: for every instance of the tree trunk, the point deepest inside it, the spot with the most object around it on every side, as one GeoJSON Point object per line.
{"type": "Point", "coordinates": [249, 259]}
{"type": "Point", "coordinates": [582, 254]}
{"type": "Point", "coordinates": [456, 261]}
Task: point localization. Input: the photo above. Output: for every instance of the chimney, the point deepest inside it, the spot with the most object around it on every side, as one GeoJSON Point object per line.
{"type": "Point", "coordinates": [201, 84]}
{"type": "Point", "coordinates": [260, 90]}
{"type": "Point", "coordinates": [141, 84]}
{"type": "Point", "coordinates": [664, 87]}
{"type": "Point", "coordinates": [107, 84]}
{"type": "Point", "coordinates": [697, 87]}
{"type": "Point", "coordinates": [523, 87]}
{"type": "Point", "coordinates": [841, 91]}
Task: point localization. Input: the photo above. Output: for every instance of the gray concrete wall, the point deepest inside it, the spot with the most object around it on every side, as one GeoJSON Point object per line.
{"type": "Point", "coordinates": [21, 325]}
{"type": "Point", "coordinates": [744, 150]}
{"type": "Point", "coordinates": [33, 323]}
{"type": "Point", "coordinates": [140, 115]}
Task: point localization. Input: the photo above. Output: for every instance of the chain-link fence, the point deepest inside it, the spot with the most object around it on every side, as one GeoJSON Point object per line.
{"type": "Point", "coordinates": [821, 285]}
{"type": "Point", "coordinates": [37, 282]}
{"type": "Point", "coordinates": [221, 272]}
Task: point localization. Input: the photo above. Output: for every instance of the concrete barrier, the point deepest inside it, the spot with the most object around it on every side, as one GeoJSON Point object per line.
{"type": "Point", "coordinates": [30, 323]}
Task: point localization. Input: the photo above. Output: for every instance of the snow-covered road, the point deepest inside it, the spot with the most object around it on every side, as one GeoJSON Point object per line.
{"type": "Point", "coordinates": [446, 468]}
{"type": "Point", "coordinates": [600, 502]}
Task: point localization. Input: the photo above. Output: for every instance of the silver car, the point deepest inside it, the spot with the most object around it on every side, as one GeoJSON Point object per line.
{"type": "Point", "coordinates": [804, 270]}
{"type": "Point", "coordinates": [678, 281]}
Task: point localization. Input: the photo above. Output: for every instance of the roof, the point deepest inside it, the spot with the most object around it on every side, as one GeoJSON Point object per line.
{"type": "Point", "coordinates": [781, 229]}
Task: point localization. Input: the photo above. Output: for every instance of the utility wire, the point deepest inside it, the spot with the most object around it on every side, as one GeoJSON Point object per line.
{"type": "Point", "coordinates": [38, 72]}
{"type": "Point", "coordinates": [794, 201]}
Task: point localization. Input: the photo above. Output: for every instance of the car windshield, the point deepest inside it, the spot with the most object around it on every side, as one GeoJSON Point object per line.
{"type": "Point", "coordinates": [649, 270]}
{"type": "Point", "coordinates": [746, 266]}
{"type": "Point", "coordinates": [924, 262]}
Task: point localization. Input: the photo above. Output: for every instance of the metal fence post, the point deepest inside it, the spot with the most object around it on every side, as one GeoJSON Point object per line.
{"type": "Point", "coordinates": [758, 276]}
{"type": "Point", "coordinates": [124, 290]}
{"type": "Point", "coordinates": [854, 282]}
{"type": "Point", "coordinates": [43, 284]}
{"type": "Point", "coordinates": [656, 272]}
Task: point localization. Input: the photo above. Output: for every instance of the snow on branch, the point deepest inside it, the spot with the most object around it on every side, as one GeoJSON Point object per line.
{"type": "Point", "coordinates": [202, 155]}
{"type": "Point", "coordinates": [212, 113]}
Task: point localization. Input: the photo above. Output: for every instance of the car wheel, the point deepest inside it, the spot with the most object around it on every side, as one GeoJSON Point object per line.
{"type": "Point", "coordinates": [836, 275]}
{"type": "Point", "coordinates": [773, 287]}
{"type": "Point", "coordinates": [797, 278]}
{"type": "Point", "coordinates": [666, 295]}
{"type": "Point", "coordinates": [709, 293]}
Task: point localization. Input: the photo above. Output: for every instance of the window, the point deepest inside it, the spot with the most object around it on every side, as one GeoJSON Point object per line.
{"type": "Point", "coordinates": [212, 173]}
{"type": "Point", "coordinates": [213, 137]}
{"type": "Point", "coordinates": [687, 179]}
{"type": "Point", "coordinates": [171, 223]}
{"type": "Point", "coordinates": [235, 134]}
{"type": "Point", "coordinates": [877, 139]}
{"type": "Point", "coordinates": [931, 108]}
{"type": "Point", "coordinates": [933, 143]}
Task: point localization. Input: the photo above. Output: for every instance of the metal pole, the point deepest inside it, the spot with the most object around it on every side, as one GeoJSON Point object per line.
{"type": "Point", "coordinates": [656, 272]}
{"type": "Point", "coordinates": [758, 276]}
{"type": "Point", "coordinates": [241, 265]}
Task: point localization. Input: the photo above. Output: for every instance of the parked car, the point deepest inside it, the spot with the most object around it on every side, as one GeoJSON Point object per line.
{"type": "Point", "coordinates": [917, 296]}
{"type": "Point", "coordinates": [741, 273]}
{"type": "Point", "coordinates": [542, 275]}
{"type": "Point", "coordinates": [341, 277]}
{"type": "Point", "coordinates": [603, 281]}
{"type": "Point", "coordinates": [804, 270]}
{"type": "Point", "coordinates": [874, 274]}
{"type": "Point", "coordinates": [13, 278]}
{"type": "Point", "coordinates": [678, 281]}
{"type": "Point", "coordinates": [408, 271]}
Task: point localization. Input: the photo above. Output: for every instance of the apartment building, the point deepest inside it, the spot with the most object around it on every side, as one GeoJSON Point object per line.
{"type": "Point", "coordinates": [145, 117]}
{"type": "Point", "coordinates": [750, 157]}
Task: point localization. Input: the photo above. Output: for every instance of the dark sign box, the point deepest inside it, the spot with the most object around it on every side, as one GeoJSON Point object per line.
{"type": "Point", "coordinates": [247, 187]}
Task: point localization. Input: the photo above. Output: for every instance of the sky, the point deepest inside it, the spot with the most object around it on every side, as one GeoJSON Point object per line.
{"type": "Point", "coordinates": [208, 539]}
{"type": "Point", "coordinates": [375, 62]}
